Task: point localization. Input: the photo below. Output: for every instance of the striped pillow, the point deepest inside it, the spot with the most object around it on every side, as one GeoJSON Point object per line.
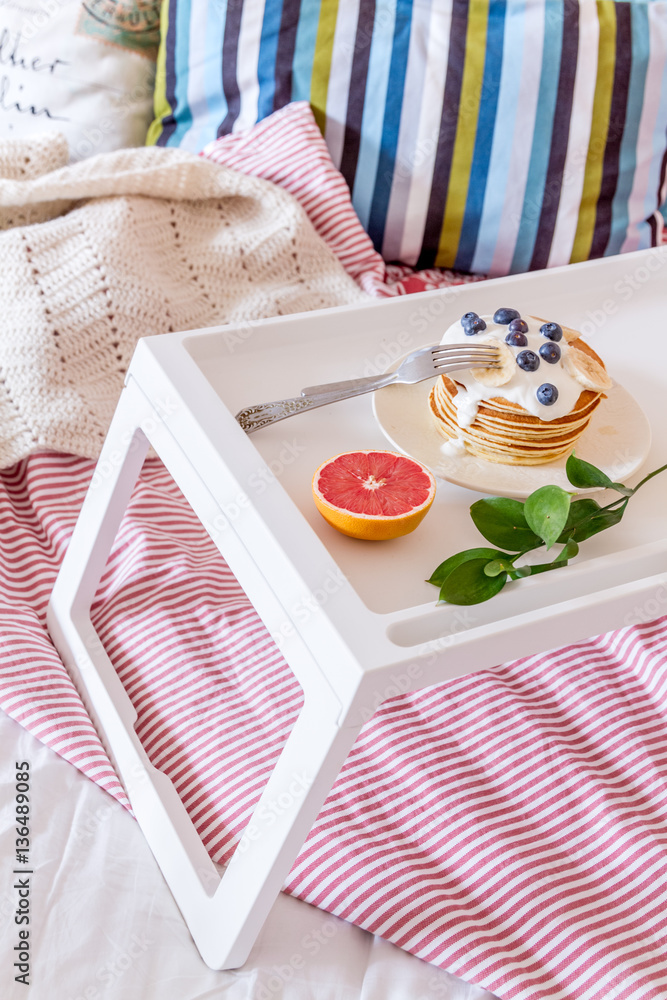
{"type": "Point", "coordinates": [490, 136]}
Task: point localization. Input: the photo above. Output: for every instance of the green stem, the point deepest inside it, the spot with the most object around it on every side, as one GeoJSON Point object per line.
{"type": "Point", "coordinates": [547, 567]}
{"type": "Point", "coordinates": [619, 502]}
{"type": "Point", "coordinates": [650, 476]}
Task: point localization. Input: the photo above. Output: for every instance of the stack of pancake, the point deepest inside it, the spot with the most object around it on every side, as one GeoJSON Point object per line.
{"type": "Point", "coordinates": [503, 431]}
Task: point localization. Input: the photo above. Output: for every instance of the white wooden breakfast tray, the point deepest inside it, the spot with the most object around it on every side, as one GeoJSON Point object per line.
{"type": "Point", "coordinates": [355, 621]}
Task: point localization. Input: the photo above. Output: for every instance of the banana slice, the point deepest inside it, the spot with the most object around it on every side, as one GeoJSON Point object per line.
{"type": "Point", "coordinates": [586, 370]}
{"type": "Point", "coordinates": [506, 365]}
{"type": "Point", "coordinates": [569, 334]}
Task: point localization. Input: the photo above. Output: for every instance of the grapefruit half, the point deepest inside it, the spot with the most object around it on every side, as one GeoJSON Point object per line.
{"type": "Point", "coordinates": [373, 494]}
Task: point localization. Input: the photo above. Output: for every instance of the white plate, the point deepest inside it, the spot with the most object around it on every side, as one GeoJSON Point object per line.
{"type": "Point", "coordinates": [617, 440]}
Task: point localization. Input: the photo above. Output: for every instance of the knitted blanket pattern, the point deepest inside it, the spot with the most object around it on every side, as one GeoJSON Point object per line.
{"type": "Point", "coordinates": [138, 242]}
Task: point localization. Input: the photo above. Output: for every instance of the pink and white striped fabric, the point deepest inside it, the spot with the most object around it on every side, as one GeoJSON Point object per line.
{"type": "Point", "coordinates": [510, 826]}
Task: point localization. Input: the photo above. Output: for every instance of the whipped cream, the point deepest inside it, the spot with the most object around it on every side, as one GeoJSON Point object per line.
{"type": "Point", "coordinates": [523, 385]}
{"type": "Point", "coordinates": [454, 447]}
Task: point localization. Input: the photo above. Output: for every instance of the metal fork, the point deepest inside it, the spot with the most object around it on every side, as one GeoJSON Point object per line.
{"type": "Point", "coordinates": [425, 363]}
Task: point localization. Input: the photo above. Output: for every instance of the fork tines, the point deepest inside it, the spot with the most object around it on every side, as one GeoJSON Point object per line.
{"type": "Point", "coordinates": [473, 354]}
{"type": "Point", "coordinates": [463, 348]}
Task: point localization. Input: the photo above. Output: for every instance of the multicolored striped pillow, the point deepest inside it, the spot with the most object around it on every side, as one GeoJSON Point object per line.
{"type": "Point", "coordinates": [490, 136]}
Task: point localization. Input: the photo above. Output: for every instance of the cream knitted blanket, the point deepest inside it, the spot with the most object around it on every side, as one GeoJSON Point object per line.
{"type": "Point", "coordinates": [140, 241]}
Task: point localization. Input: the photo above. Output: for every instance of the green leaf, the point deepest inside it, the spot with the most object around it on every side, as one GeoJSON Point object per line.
{"type": "Point", "coordinates": [579, 511]}
{"type": "Point", "coordinates": [502, 522]}
{"type": "Point", "coordinates": [605, 518]}
{"type": "Point", "coordinates": [570, 550]}
{"type": "Point", "coordinates": [468, 583]}
{"type": "Point", "coordinates": [584, 476]}
{"type": "Point", "coordinates": [587, 518]}
{"type": "Point", "coordinates": [497, 566]}
{"type": "Point", "coordinates": [546, 512]}
{"type": "Point", "coordinates": [440, 574]}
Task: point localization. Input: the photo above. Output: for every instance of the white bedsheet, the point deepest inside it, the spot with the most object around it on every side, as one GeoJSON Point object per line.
{"type": "Point", "coordinates": [104, 926]}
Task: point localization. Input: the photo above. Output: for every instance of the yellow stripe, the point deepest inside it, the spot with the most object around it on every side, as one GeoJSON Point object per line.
{"type": "Point", "coordinates": [319, 81]}
{"type": "Point", "coordinates": [466, 130]}
{"type": "Point", "coordinates": [161, 106]}
{"type": "Point", "coordinates": [604, 86]}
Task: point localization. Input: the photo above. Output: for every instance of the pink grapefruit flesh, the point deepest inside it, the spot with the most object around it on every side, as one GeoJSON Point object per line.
{"type": "Point", "coordinates": [373, 495]}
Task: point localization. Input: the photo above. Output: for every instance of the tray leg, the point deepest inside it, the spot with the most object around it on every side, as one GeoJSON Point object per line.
{"type": "Point", "coordinates": [301, 780]}
{"type": "Point", "coordinates": [224, 914]}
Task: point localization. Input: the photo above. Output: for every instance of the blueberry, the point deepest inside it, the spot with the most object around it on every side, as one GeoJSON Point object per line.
{"type": "Point", "coordinates": [552, 331]}
{"type": "Point", "coordinates": [550, 352]}
{"type": "Point", "coordinates": [518, 326]}
{"type": "Point", "coordinates": [528, 360]}
{"type": "Point", "coordinates": [547, 394]}
{"type": "Point", "coordinates": [476, 326]}
{"type": "Point", "coordinates": [468, 319]}
{"type": "Point", "coordinates": [505, 316]}
{"type": "Point", "coordinates": [516, 339]}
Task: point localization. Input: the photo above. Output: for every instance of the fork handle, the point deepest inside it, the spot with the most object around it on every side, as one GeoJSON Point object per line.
{"type": "Point", "coordinates": [263, 414]}
{"type": "Point", "coordinates": [352, 386]}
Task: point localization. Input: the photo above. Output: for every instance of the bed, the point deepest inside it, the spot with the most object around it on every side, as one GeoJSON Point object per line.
{"type": "Point", "coordinates": [103, 922]}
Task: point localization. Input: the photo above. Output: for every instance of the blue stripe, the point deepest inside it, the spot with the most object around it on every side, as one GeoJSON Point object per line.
{"type": "Point", "coordinates": [501, 150]}
{"type": "Point", "coordinates": [216, 18]}
{"type": "Point", "coordinates": [486, 121]}
{"type": "Point", "coordinates": [628, 154]}
{"type": "Point", "coordinates": [304, 49]}
{"type": "Point", "coordinates": [210, 107]}
{"type": "Point", "coordinates": [181, 109]}
{"type": "Point", "coordinates": [555, 15]}
{"type": "Point", "coordinates": [651, 204]}
{"type": "Point", "coordinates": [266, 63]}
{"type": "Point", "coordinates": [384, 174]}
{"type": "Point", "coordinates": [371, 124]}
